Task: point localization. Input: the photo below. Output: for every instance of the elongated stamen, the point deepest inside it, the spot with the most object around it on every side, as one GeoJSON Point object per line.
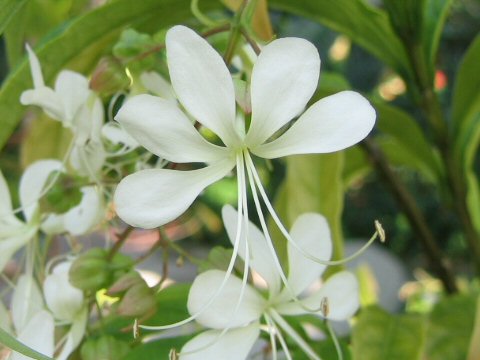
{"type": "Point", "coordinates": [273, 253]}
{"type": "Point", "coordinates": [285, 233]}
{"type": "Point", "coordinates": [245, 270]}
{"type": "Point", "coordinates": [281, 340]}
{"type": "Point", "coordinates": [241, 186]}
{"type": "Point", "coordinates": [271, 333]}
{"type": "Point", "coordinates": [293, 334]}
{"type": "Point", "coordinates": [338, 349]}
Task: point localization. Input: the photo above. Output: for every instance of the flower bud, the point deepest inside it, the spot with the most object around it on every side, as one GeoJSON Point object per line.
{"type": "Point", "coordinates": [109, 77]}
{"type": "Point", "coordinates": [90, 271]}
{"type": "Point", "coordinates": [137, 299]}
{"type": "Point", "coordinates": [104, 348]}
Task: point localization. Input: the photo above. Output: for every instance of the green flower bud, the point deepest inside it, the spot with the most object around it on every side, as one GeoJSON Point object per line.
{"type": "Point", "coordinates": [90, 272]}
{"type": "Point", "coordinates": [104, 348]}
{"type": "Point", "coordinates": [109, 77]}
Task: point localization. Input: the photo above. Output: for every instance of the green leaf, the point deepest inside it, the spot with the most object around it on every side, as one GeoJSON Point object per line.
{"type": "Point", "coordinates": [366, 25]}
{"type": "Point", "coordinates": [450, 327]}
{"type": "Point", "coordinates": [435, 14]}
{"type": "Point", "coordinates": [313, 183]}
{"type": "Point", "coordinates": [466, 95]}
{"type": "Point", "coordinates": [378, 335]}
{"type": "Point", "coordinates": [171, 304]}
{"type": "Point", "coordinates": [159, 349]}
{"type": "Point", "coordinates": [474, 349]}
{"type": "Point", "coordinates": [79, 44]}
{"type": "Point", "coordinates": [8, 10]}
{"type": "Point", "coordinates": [12, 343]}
{"type": "Point", "coordinates": [402, 129]}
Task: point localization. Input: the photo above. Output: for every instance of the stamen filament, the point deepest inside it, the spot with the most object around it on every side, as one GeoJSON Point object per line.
{"type": "Point", "coordinates": [271, 333]}
{"type": "Point", "coordinates": [240, 188]}
{"type": "Point", "coordinates": [338, 349]}
{"type": "Point", "coordinates": [293, 334]}
{"type": "Point", "coordinates": [284, 231]}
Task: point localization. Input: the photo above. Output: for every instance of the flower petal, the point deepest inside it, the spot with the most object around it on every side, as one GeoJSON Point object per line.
{"type": "Point", "coordinates": [331, 124]}
{"type": "Point", "coordinates": [115, 133]}
{"type": "Point", "coordinates": [64, 300]}
{"type": "Point", "coordinates": [260, 257]}
{"type": "Point", "coordinates": [233, 345]}
{"type": "Point", "coordinates": [74, 335]}
{"type": "Point", "coordinates": [12, 238]}
{"type": "Point", "coordinates": [283, 80]}
{"type": "Point", "coordinates": [341, 292]}
{"type": "Point", "coordinates": [202, 81]}
{"type": "Point", "coordinates": [160, 126]}
{"type": "Point", "coordinates": [220, 314]}
{"type": "Point", "coordinates": [72, 88]}
{"type": "Point", "coordinates": [32, 183]}
{"type": "Point", "coordinates": [156, 83]}
{"type": "Point", "coordinates": [5, 202]}
{"type": "Point", "coordinates": [81, 218]}
{"type": "Point", "coordinates": [45, 98]}
{"type": "Point", "coordinates": [38, 334]}
{"type": "Point", "coordinates": [27, 300]}
{"type": "Point", "coordinates": [154, 197]}
{"type": "Point", "coordinates": [35, 68]}
{"type": "Point", "coordinates": [312, 234]}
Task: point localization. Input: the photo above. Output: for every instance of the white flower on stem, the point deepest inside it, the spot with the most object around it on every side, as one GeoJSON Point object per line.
{"type": "Point", "coordinates": [284, 78]}
{"type": "Point", "coordinates": [236, 328]}
{"type": "Point", "coordinates": [14, 233]}
{"type": "Point", "coordinates": [77, 107]}
{"type": "Point", "coordinates": [68, 307]}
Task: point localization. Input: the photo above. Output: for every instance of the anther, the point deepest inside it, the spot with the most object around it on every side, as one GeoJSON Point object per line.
{"type": "Point", "coordinates": [324, 307]}
{"type": "Point", "coordinates": [380, 231]}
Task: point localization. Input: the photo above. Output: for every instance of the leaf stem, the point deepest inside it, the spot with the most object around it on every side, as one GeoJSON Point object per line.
{"type": "Point", "coordinates": [437, 260]}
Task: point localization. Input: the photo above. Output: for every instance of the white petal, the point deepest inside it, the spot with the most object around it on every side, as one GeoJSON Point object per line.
{"type": "Point", "coordinates": [88, 159]}
{"type": "Point", "coordinates": [38, 334]}
{"type": "Point", "coordinates": [312, 234]}
{"type": "Point", "coordinates": [284, 78]}
{"type": "Point", "coordinates": [115, 133]}
{"type": "Point", "coordinates": [155, 83]}
{"type": "Point", "coordinates": [234, 345]}
{"type": "Point", "coordinates": [342, 293]}
{"type": "Point", "coordinates": [154, 197]}
{"type": "Point", "coordinates": [73, 90]}
{"type": "Point", "coordinates": [12, 239]}
{"type": "Point", "coordinates": [47, 99]}
{"type": "Point", "coordinates": [5, 199]}
{"type": "Point", "coordinates": [202, 81]}
{"type": "Point", "coordinates": [261, 259]}
{"type": "Point", "coordinates": [88, 121]}
{"type": "Point", "coordinates": [331, 124]}
{"type": "Point", "coordinates": [81, 218]}
{"type": "Point", "coordinates": [27, 300]}
{"type": "Point", "coordinates": [64, 300]}
{"type": "Point", "coordinates": [160, 126]}
{"type": "Point", "coordinates": [35, 68]}
{"type": "Point", "coordinates": [74, 335]}
{"type": "Point", "coordinates": [220, 313]}
{"type": "Point", "coordinates": [32, 183]}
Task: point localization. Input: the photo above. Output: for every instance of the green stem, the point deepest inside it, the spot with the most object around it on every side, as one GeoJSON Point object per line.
{"type": "Point", "coordinates": [438, 262]}
{"type": "Point", "coordinates": [120, 241]}
{"type": "Point", "coordinates": [430, 105]}
{"type": "Point", "coordinates": [235, 32]}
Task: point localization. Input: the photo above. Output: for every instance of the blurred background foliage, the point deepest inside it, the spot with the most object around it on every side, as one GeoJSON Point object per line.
{"type": "Point", "coordinates": [417, 61]}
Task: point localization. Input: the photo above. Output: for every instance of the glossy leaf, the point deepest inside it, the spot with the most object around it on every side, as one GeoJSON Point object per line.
{"type": "Point", "coordinates": [450, 328]}
{"type": "Point", "coordinates": [435, 13]}
{"type": "Point", "coordinates": [79, 44]}
{"type": "Point", "coordinates": [364, 24]}
{"type": "Point", "coordinates": [8, 9]}
{"type": "Point", "coordinates": [378, 335]}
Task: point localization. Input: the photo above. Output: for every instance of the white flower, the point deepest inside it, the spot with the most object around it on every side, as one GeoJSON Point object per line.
{"type": "Point", "coordinates": [284, 78]}
{"type": "Point", "coordinates": [240, 307]}
{"type": "Point", "coordinates": [77, 107]}
{"type": "Point", "coordinates": [14, 233]}
{"type": "Point", "coordinates": [33, 324]}
{"type": "Point", "coordinates": [67, 305]}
